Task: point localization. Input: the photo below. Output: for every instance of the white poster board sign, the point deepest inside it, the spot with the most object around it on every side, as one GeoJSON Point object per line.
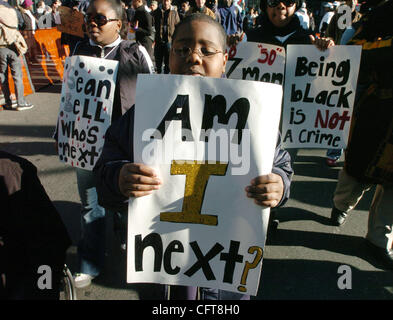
{"type": "Point", "coordinates": [256, 61]}
{"type": "Point", "coordinates": [199, 228]}
{"type": "Point", "coordinates": [85, 109]}
{"type": "Point", "coordinates": [319, 95]}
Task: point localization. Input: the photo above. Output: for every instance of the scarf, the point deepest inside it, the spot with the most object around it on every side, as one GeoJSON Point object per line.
{"type": "Point", "coordinates": [291, 27]}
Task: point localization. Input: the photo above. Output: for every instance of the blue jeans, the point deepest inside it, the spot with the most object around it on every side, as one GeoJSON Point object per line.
{"type": "Point", "coordinates": [334, 154]}
{"type": "Point", "coordinates": [91, 247]}
{"type": "Point", "coordinates": [9, 58]}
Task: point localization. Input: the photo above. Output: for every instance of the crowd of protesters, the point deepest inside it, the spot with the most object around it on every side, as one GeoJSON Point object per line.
{"type": "Point", "coordinates": [153, 27]}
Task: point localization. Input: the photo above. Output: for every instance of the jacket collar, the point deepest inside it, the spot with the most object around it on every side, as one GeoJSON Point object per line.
{"type": "Point", "coordinates": [111, 45]}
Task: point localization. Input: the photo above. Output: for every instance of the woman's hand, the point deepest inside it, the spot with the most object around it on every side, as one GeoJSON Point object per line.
{"type": "Point", "coordinates": [266, 190]}
{"type": "Point", "coordinates": [322, 43]}
{"type": "Point", "coordinates": [234, 39]}
{"type": "Point", "coordinates": [137, 180]}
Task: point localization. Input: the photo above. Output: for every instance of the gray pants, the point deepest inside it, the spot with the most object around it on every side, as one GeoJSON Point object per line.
{"type": "Point", "coordinates": [348, 193]}
{"type": "Point", "coordinates": [8, 57]}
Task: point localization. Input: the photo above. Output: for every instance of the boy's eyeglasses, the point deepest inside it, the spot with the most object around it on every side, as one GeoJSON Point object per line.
{"type": "Point", "coordinates": [204, 52]}
{"type": "Point", "coordinates": [275, 3]}
{"type": "Point", "coordinates": [99, 19]}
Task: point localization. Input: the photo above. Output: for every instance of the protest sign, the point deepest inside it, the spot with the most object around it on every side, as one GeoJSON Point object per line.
{"type": "Point", "coordinates": [85, 109]}
{"type": "Point", "coordinates": [319, 95]}
{"type": "Point", "coordinates": [256, 61]}
{"type": "Point", "coordinates": [71, 22]}
{"type": "Point", "coordinates": [207, 139]}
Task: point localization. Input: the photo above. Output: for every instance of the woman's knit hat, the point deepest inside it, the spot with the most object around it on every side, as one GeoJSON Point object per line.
{"type": "Point", "coordinates": [27, 3]}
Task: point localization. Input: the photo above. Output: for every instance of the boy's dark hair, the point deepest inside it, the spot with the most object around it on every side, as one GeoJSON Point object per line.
{"type": "Point", "coordinates": [202, 17]}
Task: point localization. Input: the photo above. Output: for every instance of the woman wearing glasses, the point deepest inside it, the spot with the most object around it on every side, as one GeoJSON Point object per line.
{"type": "Point", "coordinates": [281, 26]}
{"type": "Point", "coordinates": [103, 21]}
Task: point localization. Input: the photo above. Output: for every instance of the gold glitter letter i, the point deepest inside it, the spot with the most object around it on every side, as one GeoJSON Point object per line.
{"type": "Point", "coordinates": [197, 174]}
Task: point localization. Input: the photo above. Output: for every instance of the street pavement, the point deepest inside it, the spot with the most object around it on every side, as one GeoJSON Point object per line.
{"type": "Point", "coordinates": [303, 254]}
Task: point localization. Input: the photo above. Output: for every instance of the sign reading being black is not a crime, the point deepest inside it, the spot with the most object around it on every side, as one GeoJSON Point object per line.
{"type": "Point", "coordinates": [319, 95]}
{"type": "Point", "coordinates": [85, 109]}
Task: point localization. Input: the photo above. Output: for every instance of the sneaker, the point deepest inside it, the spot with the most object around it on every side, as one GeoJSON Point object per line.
{"type": "Point", "coordinates": [338, 217]}
{"type": "Point", "coordinates": [24, 106]}
{"type": "Point", "coordinates": [9, 105]}
{"type": "Point", "coordinates": [82, 280]}
{"type": "Point", "coordinates": [331, 162]}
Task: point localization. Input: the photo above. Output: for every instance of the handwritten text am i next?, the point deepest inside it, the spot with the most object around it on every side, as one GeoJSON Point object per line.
{"type": "Point", "coordinates": [319, 95]}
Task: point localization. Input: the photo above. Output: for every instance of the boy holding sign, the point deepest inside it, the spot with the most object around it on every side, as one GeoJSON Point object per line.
{"type": "Point", "coordinates": [199, 50]}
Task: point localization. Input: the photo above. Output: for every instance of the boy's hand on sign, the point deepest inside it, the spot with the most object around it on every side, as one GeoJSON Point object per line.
{"type": "Point", "coordinates": [266, 190]}
{"type": "Point", "coordinates": [137, 180]}
{"type": "Point", "coordinates": [322, 43]}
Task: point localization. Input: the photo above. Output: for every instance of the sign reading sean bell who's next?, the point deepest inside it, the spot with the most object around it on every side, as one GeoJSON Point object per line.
{"type": "Point", "coordinates": [319, 95]}
{"type": "Point", "coordinates": [85, 109]}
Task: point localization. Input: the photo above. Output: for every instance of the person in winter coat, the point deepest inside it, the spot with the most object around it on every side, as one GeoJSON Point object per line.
{"type": "Point", "coordinates": [143, 26]}
{"type": "Point", "coordinates": [103, 24]}
{"type": "Point", "coordinates": [199, 44]}
{"type": "Point", "coordinates": [165, 20]}
{"type": "Point", "coordinates": [32, 234]}
{"type": "Point", "coordinates": [10, 57]}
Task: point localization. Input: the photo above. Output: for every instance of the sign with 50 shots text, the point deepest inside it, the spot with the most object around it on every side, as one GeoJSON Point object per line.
{"type": "Point", "coordinates": [256, 61]}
